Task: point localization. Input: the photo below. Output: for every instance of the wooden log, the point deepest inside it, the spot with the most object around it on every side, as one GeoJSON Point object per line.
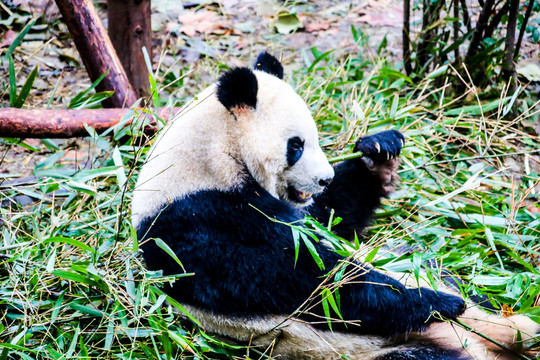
{"type": "Point", "coordinates": [129, 30]}
{"type": "Point", "coordinates": [97, 51]}
{"type": "Point", "coordinates": [22, 123]}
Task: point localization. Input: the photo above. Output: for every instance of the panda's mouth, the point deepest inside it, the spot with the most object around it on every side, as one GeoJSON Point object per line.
{"type": "Point", "coordinates": [298, 196]}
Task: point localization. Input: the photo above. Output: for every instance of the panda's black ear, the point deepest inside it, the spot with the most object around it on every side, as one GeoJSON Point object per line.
{"type": "Point", "coordinates": [267, 63]}
{"type": "Point", "coordinates": [238, 88]}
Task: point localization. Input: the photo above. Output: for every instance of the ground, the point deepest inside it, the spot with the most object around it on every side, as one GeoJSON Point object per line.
{"type": "Point", "coordinates": [72, 281]}
{"type": "Point", "coordinates": [191, 40]}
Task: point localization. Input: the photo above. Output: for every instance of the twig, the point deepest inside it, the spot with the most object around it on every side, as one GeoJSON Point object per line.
{"type": "Point", "coordinates": [501, 345]}
{"type": "Point", "coordinates": [14, 246]}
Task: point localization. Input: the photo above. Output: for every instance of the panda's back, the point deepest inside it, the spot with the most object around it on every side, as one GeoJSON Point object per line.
{"type": "Point", "coordinates": [188, 156]}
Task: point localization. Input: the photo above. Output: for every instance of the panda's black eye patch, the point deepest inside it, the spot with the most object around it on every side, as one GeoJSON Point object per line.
{"type": "Point", "coordinates": [295, 148]}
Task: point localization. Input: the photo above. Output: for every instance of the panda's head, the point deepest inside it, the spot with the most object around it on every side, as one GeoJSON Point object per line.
{"type": "Point", "coordinates": [275, 133]}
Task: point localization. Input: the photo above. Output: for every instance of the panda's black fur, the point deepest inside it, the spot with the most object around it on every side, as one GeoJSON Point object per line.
{"type": "Point", "coordinates": [244, 262]}
{"type": "Point", "coordinates": [252, 269]}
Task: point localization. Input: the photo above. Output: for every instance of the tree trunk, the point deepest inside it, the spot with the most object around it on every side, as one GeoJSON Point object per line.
{"type": "Point", "coordinates": [479, 29]}
{"type": "Point", "coordinates": [508, 65]}
{"type": "Point", "coordinates": [97, 51]}
{"type": "Point", "coordinates": [130, 29]}
{"type": "Point", "coordinates": [406, 35]}
{"type": "Point", "coordinates": [431, 13]}
{"type": "Point", "coordinates": [21, 123]}
{"type": "Point", "coordinates": [456, 32]}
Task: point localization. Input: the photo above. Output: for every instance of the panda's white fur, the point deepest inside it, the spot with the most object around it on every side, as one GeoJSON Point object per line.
{"type": "Point", "coordinates": [180, 164]}
{"type": "Point", "coordinates": [209, 147]}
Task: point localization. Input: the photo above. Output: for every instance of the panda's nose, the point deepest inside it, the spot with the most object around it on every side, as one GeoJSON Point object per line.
{"type": "Point", "coordinates": [325, 182]}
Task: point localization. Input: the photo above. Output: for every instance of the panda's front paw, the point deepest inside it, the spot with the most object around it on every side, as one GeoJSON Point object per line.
{"type": "Point", "coordinates": [380, 155]}
{"type": "Point", "coordinates": [382, 146]}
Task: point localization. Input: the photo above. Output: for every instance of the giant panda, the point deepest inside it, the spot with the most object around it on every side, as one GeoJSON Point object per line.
{"type": "Point", "coordinates": [222, 185]}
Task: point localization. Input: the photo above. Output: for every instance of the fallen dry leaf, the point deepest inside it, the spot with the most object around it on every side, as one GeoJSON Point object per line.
{"type": "Point", "coordinates": [389, 17]}
{"type": "Point", "coordinates": [507, 310]}
{"type": "Point", "coordinates": [7, 38]}
{"type": "Point", "coordinates": [317, 27]}
{"type": "Point", "coordinates": [202, 22]}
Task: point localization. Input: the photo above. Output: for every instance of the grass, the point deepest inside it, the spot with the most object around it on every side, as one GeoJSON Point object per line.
{"type": "Point", "coordinates": [72, 284]}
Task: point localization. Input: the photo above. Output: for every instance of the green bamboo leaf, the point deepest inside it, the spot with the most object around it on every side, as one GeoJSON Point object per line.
{"type": "Point", "coordinates": [66, 240]}
{"type": "Point", "coordinates": [68, 275]}
{"type": "Point", "coordinates": [12, 83]}
{"type": "Point", "coordinates": [25, 90]}
{"type": "Point", "coordinates": [120, 171]}
{"type": "Point", "coordinates": [109, 337]}
{"type": "Point", "coordinates": [491, 242]}
{"type": "Point", "coordinates": [176, 304]}
{"type": "Point", "coordinates": [151, 78]}
{"type": "Point", "coordinates": [393, 109]}
{"type": "Point", "coordinates": [79, 98]}
{"type": "Point", "coordinates": [332, 302]}
{"type": "Point", "coordinates": [326, 309]}
{"type": "Point", "coordinates": [312, 250]}
{"type": "Point", "coordinates": [319, 59]}
{"type": "Point", "coordinates": [437, 72]}
{"type": "Point", "coordinates": [73, 343]}
{"type": "Point", "coordinates": [296, 239]}
{"type": "Point", "coordinates": [477, 109]}
{"type": "Point", "coordinates": [90, 174]}
{"type": "Point", "coordinates": [19, 38]}
{"type": "Point", "coordinates": [82, 188]}
{"type": "Point", "coordinates": [163, 246]}
{"type": "Point", "coordinates": [90, 310]}
{"type": "Point", "coordinates": [50, 263]}
{"type": "Point", "coordinates": [369, 258]}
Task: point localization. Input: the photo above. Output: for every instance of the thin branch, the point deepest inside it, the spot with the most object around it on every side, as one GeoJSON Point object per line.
{"type": "Point", "coordinates": [508, 65]}
{"type": "Point", "coordinates": [456, 32]}
{"type": "Point", "coordinates": [406, 34]}
{"type": "Point", "coordinates": [484, 336]}
{"type": "Point", "coordinates": [479, 29]}
{"type": "Point", "coordinates": [524, 27]}
{"type": "Point", "coordinates": [431, 13]}
{"type": "Point", "coordinates": [466, 17]}
{"type": "Point", "coordinates": [496, 20]}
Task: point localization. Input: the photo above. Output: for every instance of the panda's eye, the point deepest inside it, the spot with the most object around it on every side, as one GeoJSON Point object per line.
{"type": "Point", "coordinates": [295, 148]}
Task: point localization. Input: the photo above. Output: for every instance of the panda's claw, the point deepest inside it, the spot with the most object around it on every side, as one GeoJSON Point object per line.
{"type": "Point", "coordinates": [381, 147]}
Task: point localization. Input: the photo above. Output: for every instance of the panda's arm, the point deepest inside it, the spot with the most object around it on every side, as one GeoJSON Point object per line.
{"type": "Point", "coordinates": [359, 184]}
